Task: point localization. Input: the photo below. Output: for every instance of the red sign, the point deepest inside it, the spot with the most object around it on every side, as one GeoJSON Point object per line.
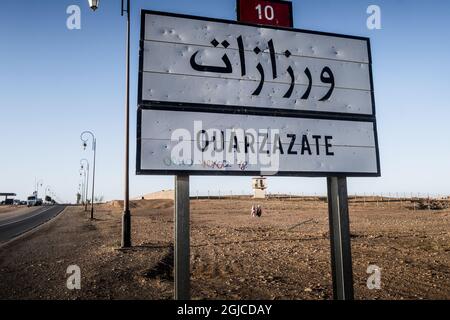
{"type": "Point", "coordinates": [267, 12]}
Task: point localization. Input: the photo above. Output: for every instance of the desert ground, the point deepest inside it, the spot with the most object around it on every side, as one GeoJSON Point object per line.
{"type": "Point", "coordinates": [282, 255]}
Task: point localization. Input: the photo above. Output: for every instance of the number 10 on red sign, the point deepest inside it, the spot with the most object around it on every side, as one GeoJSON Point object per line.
{"type": "Point", "coordinates": [265, 12]}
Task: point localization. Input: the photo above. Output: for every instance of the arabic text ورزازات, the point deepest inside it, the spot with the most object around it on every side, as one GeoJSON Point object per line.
{"type": "Point", "coordinates": [326, 75]}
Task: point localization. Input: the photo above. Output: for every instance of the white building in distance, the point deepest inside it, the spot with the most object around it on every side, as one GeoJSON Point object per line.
{"type": "Point", "coordinates": [259, 185]}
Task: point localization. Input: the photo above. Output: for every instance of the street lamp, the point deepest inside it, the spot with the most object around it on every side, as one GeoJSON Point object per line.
{"type": "Point", "coordinates": [93, 4]}
{"type": "Point", "coordinates": [84, 162]}
{"type": "Point", "coordinates": [126, 217]}
{"type": "Point", "coordinates": [37, 184]}
{"type": "Point", "coordinates": [80, 193]}
{"type": "Point", "coordinates": [83, 186]}
{"type": "Point", "coordinates": [94, 148]}
{"type": "Point", "coordinates": [47, 191]}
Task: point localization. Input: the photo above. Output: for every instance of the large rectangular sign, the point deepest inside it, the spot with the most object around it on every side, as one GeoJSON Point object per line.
{"type": "Point", "coordinates": [171, 142]}
{"type": "Point", "coordinates": [192, 61]}
{"type": "Point", "coordinates": [220, 97]}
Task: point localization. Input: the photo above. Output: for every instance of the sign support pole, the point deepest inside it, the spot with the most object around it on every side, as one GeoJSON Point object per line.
{"type": "Point", "coordinates": [341, 256]}
{"type": "Point", "coordinates": [182, 241]}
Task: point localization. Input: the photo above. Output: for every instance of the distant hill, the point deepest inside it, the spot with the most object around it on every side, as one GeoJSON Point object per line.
{"type": "Point", "coordinates": [164, 194]}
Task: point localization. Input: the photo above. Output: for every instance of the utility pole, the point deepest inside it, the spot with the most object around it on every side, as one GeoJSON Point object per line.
{"type": "Point", "coordinates": [94, 149]}
{"type": "Point", "coordinates": [126, 216]}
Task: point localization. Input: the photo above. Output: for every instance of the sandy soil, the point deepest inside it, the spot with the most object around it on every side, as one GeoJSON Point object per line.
{"type": "Point", "coordinates": [233, 256]}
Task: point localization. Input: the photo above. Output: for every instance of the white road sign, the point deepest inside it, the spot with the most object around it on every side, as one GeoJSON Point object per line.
{"type": "Point", "coordinates": [190, 60]}
{"type": "Point", "coordinates": [217, 143]}
{"type": "Point", "coordinates": [221, 97]}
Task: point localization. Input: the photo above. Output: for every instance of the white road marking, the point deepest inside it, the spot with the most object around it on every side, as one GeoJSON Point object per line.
{"type": "Point", "coordinates": [34, 215]}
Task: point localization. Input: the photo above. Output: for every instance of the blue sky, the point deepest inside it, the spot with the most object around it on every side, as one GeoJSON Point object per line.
{"type": "Point", "coordinates": [55, 83]}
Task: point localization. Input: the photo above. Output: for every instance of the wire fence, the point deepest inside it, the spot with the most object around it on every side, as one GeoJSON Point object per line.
{"type": "Point", "coordinates": [411, 199]}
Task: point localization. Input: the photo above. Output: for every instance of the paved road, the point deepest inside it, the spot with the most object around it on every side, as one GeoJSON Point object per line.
{"type": "Point", "coordinates": [15, 225]}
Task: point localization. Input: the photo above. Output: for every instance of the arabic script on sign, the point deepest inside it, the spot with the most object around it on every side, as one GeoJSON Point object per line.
{"type": "Point", "coordinates": [326, 76]}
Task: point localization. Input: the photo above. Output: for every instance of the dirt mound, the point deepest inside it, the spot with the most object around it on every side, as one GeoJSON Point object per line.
{"type": "Point", "coordinates": [164, 194]}
{"type": "Point", "coordinates": [143, 204]}
{"type": "Point", "coordinates": [157, 204]}
{"type": "Point", "coordinates": [434, 205]}
{"type": "Point", "coordinates": [119, 204]}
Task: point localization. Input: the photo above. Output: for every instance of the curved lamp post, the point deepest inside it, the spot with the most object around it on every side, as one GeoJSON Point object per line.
{"type": "Point", "coordinates": [80, 192]}
{"type": "Point", "coordinates": [85, 164]}
{"type": "Point", "coordinates": [83, 186]}
{"type": "Point", "coordinates": [47, 191]}
{"type": "Point", "coordinates": [94, 148]}
{"type": "Point", "coordinates": [38, 184]}
{"type": "Point", "coordinates": [53, 196]}
{"type": "Point", "coordinates": [126, 217]}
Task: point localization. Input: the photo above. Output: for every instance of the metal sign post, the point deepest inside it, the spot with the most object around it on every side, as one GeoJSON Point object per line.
{"type": "Point", "coordinates": [182, 241]}
{"type": "Point", "coordinates": [279, 13]}
{"type": "Point", "coordinates": [341, 257]}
